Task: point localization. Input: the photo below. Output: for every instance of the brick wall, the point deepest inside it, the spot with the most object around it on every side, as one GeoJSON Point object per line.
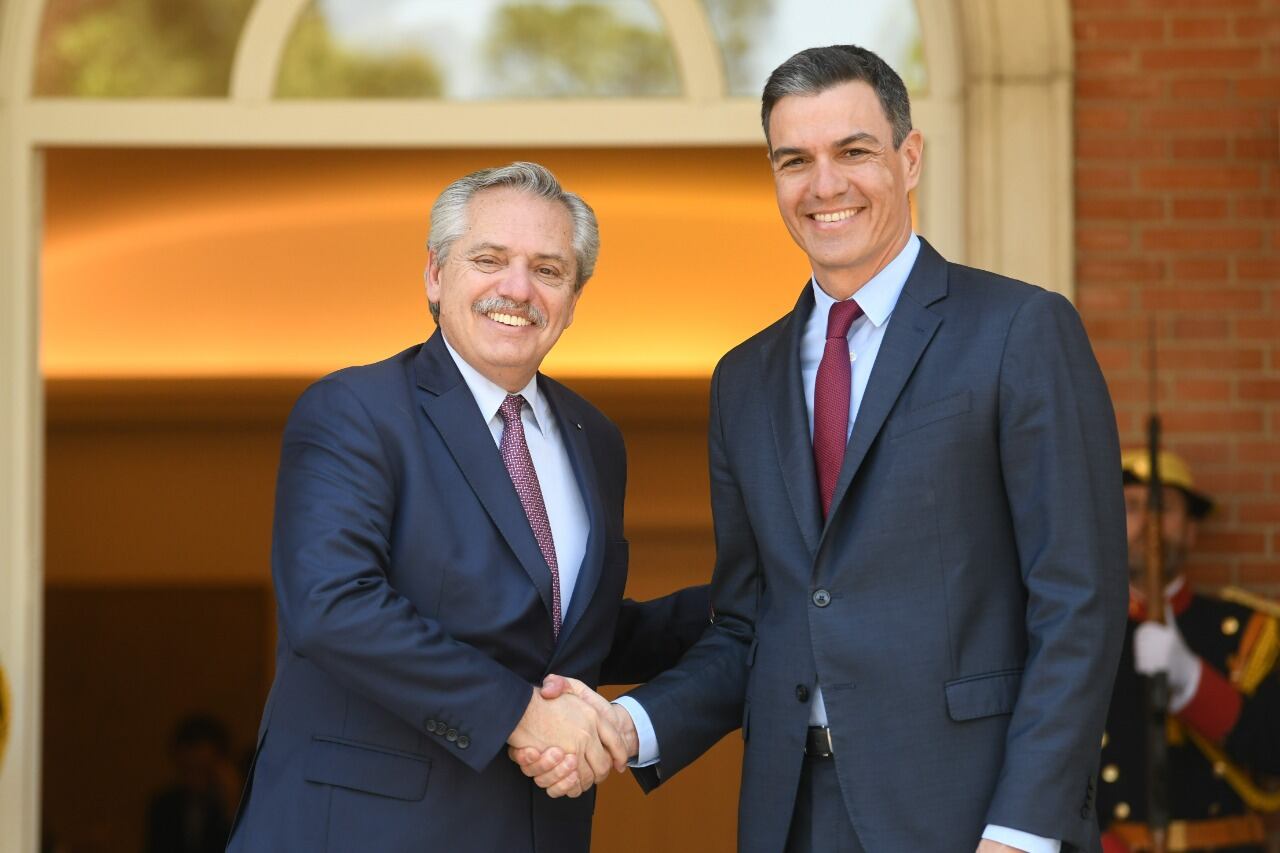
{"type": "Point", "coordinates": [1177, 119]}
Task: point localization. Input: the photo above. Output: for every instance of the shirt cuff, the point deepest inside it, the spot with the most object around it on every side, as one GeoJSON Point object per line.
{"type": "Point", "coordinates": [1021, 840]}
{"type": "Point", "coordinates": [647, 753]}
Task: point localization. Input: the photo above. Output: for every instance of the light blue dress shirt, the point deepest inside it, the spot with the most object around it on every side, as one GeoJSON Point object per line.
{"type": "Point", "coordinates": [877, 298]}
{"type": "Point", "coordinates": [566, 510]}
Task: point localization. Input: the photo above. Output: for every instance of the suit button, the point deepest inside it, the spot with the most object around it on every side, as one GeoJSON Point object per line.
{"type": "Point", "coordinates": [451, 735]}
{"type": "Point", "coordinates": [822, 598]}
{"type": "Point", "coordinates": [1110, 773]}
{"type": "Point", "coordinates": [802, 693]}
{"type": "Point", "coordinates": [431, 726]}
{"type": "Point", "coordinates": [463, 741]}
{"type": "Point", "coordinates": [1084, 812]}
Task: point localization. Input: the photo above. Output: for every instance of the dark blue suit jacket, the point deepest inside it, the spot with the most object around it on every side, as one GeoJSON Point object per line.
{"type": "Point", "coordinates": [414, 612]}
{"type": "Point", "coordinates": [972, 573]}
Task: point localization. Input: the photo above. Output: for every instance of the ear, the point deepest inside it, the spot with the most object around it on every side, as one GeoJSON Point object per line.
{"type": "Point", "coordinates": [432, 276]}
{"type": "Point", "coordinates": [912, 153]}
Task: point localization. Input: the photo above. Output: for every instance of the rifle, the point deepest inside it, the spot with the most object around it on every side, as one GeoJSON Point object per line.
{"type": "Point", "coordinates": [1158, 684]}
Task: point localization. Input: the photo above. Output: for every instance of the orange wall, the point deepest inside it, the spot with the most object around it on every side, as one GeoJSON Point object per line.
{"type": "Point", "coordinates": [266, 262]}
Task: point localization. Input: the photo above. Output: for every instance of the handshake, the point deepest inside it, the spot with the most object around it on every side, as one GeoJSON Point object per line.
{"type": "Point", "coordinates": [570, 737]}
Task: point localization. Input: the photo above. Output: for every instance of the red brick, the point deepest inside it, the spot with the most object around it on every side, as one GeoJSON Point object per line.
{"type": "Point", "coordinates": [1201, 328]}
{"type": "Point", "coordinates": [1260, 390]}
{"type": "Point", "coordinates": [1103, 239]}
{"type": "Point", "coordinates": [1196, 177]}
{"type": "Point", "coordinates": [1188, 358]}
{"type": "Point", "coordinates": [1202, 391]}
{"type": "Point", "coordinates": [1258, 452]}
{"type": "Point", "coordinates": [1103, 179]}
{"type": "Point", "coordinates": [1199, 118]}
{"type": "Point", "coordinates": [1090, 8]}
{"type": "Point", "coordinates": [1205, 5]}
{"type": "Point", "coordinates": [1258, 27]}
{"type": "Point", "coordinates": [1257, 573]}
{"type": "Point", "coordinates": [1098, 298]}
{"type": "Point", "coordinates": [1199, 208]}
{"type": "Point", "coordinates": [1227, 542]}
{"type": "Point", "coordinates": [1199, 28]}
{"type": "Point", "coordinates": [1120, 270]}
{"type": "Point", "coordinates": [1259, 268]}
{"type": "Point", "coordinates": [1259, 512]}
{"type": "Point", "coordinates": [1258, 329]}
{"type": "Point", "coordinates": [1105, 60]}
{"type": "Point", "coordinates": [1103, 118]}
{"type": "Point", "coordinates": [1113, 357]}
{"type": "Point", "coordinates": [1200, 89]}
{"type": "Point", "coordinates": [1117, 88]}
{"type": "Point", "coordinates": [1257, 149]}
{"type": "Point", "coordinates": [1255, 208]}
{"type": "Point", "coordinates": [1189, 149]}
{"type": "Point", "coordinates": [1234, 482]}
{"type": "Point", "coordinates": [1197, 299]}
{"type": "Point", "coordinates": [1124, 30]}
{"type": "Point", "coordinates": [1202, 572]}
{"type": "Point", "coordinates": [1188, 239]}
{"type": "Point", "coordinates": [1191, 59]}
{"type": "Point", "coordinates": [1202, 269]}
{"type": "Point", "coordinates": [1116, 328]}
{"type": "Point", "coordinates": [1126, 208]}
{"type": "Point", "coordinates": [1201, 455]}
{"type": "Point", "coordinates": [1259, 87]}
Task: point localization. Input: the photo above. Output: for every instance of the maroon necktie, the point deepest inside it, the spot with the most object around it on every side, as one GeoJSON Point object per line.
{"type": "Point", "coordinates": [515, 455]}
{"type": "Point", "coordinates": [831, 400]}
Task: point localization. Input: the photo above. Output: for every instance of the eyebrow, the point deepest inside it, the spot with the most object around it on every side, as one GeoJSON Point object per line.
{"type": "Point", "coordinates": [861, 136]}
{"type": "Point", "coordinates": [498, 247]}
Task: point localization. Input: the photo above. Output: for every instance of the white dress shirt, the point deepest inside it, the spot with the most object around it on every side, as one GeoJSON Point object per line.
{"type": "Point", "coordinates": [566, 510]}
{"type": "Point", "coordinates": [877, 298]}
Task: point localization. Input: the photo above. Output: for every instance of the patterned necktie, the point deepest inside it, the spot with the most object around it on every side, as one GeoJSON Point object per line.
{"type": "Point", "coordinates": [831, 400]}
{"type": "Point", "coordinates": [515, 455]}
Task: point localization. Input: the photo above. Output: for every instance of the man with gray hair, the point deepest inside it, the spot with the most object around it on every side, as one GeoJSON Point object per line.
{"type": "Point", "coordinates": [448, 530]}
{"type": "Point", "coordinates": [920, 581]}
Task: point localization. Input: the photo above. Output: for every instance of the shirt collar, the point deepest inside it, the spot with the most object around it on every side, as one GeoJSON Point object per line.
{"type": "Point", "coordinates": [489, 395]}
{"type": "Point", "coordinates": [878, 296]}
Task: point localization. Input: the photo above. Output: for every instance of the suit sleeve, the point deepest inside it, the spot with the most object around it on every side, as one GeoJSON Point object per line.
{"type": "Point", "coordinates": [335, 501]}
{"type": "Point", "coordinates": [700, 700]}
{"type": "Point", "coordinates": [652, 635]}
{"type": "Point", "coordinates": [1061, 465]}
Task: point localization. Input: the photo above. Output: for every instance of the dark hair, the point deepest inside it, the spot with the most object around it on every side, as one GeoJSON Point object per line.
{"type": "Point", "coordinates": [817, 69]}
{"type": "Point", "coordinates": [198, 729]}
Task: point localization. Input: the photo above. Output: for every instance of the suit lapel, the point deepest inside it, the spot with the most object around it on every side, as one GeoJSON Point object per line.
{"type": "Point", "coordinates": [453, 411]}
{"type": "Point", "coordinates": [577, 444]}
{"type": "Point", "coordinates": [789, 414]}
{"type": "Point", "coordinates": [911, 328]}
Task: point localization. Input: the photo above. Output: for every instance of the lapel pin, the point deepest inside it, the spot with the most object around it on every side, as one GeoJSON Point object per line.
{"type": "Point", "coordinates": [579, 426]}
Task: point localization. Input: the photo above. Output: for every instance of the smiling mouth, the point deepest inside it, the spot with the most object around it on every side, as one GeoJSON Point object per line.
{"type": "Point", "coordinates": [837, 216]}
{"type": "Point", "coordinates": [508, 319]}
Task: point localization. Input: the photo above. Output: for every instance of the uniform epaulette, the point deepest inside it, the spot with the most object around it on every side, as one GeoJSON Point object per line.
{"type": "Point", "coordinates": [1259, 647]}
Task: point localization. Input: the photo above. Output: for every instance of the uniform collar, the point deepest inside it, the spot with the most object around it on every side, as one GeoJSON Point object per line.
{"type": "Point", "coordinates": [1178, 593]}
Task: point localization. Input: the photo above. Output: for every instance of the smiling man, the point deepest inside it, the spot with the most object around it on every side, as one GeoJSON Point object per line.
{"type": "Point", "coordinates": [920, 580]}
{"type": "Point", "coordinates": [448, 530]}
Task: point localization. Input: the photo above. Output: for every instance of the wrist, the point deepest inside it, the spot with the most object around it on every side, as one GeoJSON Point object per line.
{"type": "Point", "coordinates": [627, 729]}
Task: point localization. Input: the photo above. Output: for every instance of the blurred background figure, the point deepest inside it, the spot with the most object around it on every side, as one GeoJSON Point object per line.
{"type": "Point", "coordinates": [1223, 723]}
{"type": "Point", "coordinates": [193, 815]}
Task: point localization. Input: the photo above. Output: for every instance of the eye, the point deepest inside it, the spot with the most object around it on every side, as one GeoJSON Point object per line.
{"type": "Point", "coordinates": [855, 152]}
{"type": "Point", "coordinates": [487, 263]}
{"type": "Point", "coordinates": [791, 163]}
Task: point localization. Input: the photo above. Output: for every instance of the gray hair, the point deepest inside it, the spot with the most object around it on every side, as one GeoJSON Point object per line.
{"type": "Point", "coordinates": [449, 213]}
{"type": "Point", "coordinates": [813, 71]}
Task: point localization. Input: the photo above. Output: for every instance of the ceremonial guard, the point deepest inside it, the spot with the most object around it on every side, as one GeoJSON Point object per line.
{"type": "Point", "coordinates": [1222, 722]}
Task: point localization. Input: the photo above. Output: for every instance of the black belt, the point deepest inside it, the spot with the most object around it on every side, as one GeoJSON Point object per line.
{"type": "Point", "coordinates": [818, 743]}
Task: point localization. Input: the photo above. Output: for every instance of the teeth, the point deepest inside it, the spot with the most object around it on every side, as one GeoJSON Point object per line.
{"type": "Point", "coordinates": [839, 216]}
{"type": "Point", "coordinates": [507, 319]}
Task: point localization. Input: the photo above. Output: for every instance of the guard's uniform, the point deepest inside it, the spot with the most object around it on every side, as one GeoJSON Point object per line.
{"type": "Point", "coordinates": [1224, 745]}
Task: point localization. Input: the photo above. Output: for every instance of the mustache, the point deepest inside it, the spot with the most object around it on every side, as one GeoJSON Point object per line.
{"type": "Point", "coordinates": [507, 306]}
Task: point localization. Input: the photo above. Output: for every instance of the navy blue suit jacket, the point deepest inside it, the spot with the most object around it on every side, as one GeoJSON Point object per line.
{"type": "Point", "coordinates": [414, 613]}
{"type": "Point", "coordinates": [962, 606]}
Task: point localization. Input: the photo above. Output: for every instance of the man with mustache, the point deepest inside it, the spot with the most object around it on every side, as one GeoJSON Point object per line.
{"type": "Point", "coordinates": [448, 530]}
{"type": "Point", "coordinates": [1219, 658]}
{"type": "Point", "coordinates": [919, 588]}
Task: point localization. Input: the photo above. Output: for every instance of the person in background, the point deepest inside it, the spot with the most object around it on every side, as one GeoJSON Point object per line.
{"type": "Point", "coordinates": [1224, 690]}
{"type": "Point", "coordinates": [193, 815]}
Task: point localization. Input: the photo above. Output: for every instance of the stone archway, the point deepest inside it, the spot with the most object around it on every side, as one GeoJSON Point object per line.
{"type": "Point", "coordinates": [1003, 76]}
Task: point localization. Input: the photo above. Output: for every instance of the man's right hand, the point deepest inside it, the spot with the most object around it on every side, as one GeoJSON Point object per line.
{"type": "Point", "coordinates": [574, 730]}
{"type": "Point", "coordinates": [553, 769]}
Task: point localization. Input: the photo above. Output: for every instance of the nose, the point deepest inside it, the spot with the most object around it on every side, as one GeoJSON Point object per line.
{"type": "Point", "coordinates": [828, 180]}
{"type": "Point", "coordinates": [517, 284]}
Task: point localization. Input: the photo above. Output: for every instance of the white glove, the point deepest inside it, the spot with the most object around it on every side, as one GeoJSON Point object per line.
{"type": "Point", "coordinates": [1160, 648]}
